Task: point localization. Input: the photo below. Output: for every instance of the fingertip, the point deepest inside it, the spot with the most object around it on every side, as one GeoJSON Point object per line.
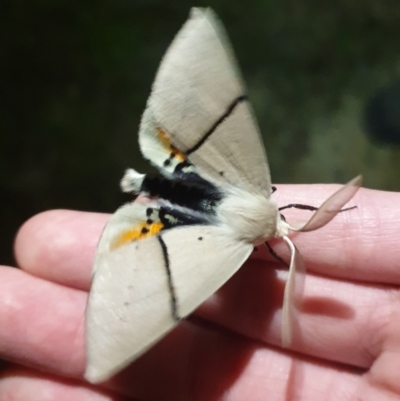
{"type": "Point", "coordinates": [59, 245]}
{"type": "Point", "coordinates": [26, 249]}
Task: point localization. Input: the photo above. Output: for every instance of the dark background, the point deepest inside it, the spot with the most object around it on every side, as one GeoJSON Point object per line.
{"type": "Point", "coordinates": [74, 77]}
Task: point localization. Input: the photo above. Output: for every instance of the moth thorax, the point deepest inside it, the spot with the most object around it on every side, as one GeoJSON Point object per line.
{"type": "Point", "coordinates": [251, 218]}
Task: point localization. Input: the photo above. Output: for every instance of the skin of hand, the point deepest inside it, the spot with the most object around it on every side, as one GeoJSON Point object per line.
{"type": "Point", "coordinates": [346, 347]}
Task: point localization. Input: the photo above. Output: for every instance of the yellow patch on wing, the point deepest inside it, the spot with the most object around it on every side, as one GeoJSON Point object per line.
{"type": "Point", "coordinates": [174, 152]}
{"type": "Point", "coordinates": [141, 231]}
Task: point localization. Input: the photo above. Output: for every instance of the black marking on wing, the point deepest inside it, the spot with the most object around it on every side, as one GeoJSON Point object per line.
{"type": "Point", "coordinates": [171, 218]}
{"type": "Point", "coordinates": [189, 174]}
{"type": "Point", "coordinates": [217, 123]}
{"type": "Point", "coordinates": [171, 288]}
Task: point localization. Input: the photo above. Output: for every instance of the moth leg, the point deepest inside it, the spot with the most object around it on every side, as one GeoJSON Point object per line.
{"type": "Point", "coordinates": [311, 208]}
{"type": "Point", "coordinates": [298, 206]}
{"type": "Point", "coordinates": [275, 255]}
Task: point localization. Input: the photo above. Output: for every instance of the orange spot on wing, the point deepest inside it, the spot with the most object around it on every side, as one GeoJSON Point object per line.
{"type": "Point", "coordinates": [163, 137]}
{"type": "Point", "coordinates": [141, 231]}
{"type": "Point", "coordinates": [166, 141]}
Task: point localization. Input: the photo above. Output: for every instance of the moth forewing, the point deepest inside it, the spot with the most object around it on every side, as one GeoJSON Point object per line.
{"type": "Point", "coordinates": [199, 103]}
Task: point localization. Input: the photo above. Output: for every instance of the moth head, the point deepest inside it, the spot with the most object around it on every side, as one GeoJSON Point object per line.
{"type": "Point", "coordinates": [251, 217]}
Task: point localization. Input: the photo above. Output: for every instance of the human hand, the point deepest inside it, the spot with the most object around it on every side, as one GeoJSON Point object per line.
{"type": "Point", "coordinates": [347, 346]}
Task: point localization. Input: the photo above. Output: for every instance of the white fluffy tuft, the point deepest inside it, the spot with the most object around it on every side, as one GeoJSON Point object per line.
{"type": "Point", "coordinates": [132, 181]}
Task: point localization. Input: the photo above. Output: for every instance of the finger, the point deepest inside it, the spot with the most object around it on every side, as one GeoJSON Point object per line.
{"type": "Point", "coordinates": [359, 244]}
{"type": "Point", "coordinates": [42, 323]}
{"type": "Point", "coordinates": [339, 321]}
{"type": "Point", "coordinates": [42, 327]}
{"type": "Point", "coordinates": [59, 245]}
{"type": "Point", "coordinates": [54, 340]}
{"type": "Point", "coordinates": [259, 373]}
{"type": "Point", "coordinates": [27, 385]}
{"type": "Point", "coordinates": [23, 384]}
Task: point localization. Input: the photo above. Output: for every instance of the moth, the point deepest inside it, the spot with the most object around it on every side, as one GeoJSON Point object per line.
{"type": "Point", "coordinates": [158, 259]}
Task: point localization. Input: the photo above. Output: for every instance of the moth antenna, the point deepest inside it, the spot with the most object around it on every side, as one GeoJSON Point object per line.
{"type": "Point", "coordinates": [293, 294]}
{"type": "Point", "coordinates": [311, 208]}
{"type": "Point", "coordinates": [330, 208]}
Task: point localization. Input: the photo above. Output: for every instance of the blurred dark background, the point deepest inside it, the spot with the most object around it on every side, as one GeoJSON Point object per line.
{"type": "Point", "coordinates": [324, 79]}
